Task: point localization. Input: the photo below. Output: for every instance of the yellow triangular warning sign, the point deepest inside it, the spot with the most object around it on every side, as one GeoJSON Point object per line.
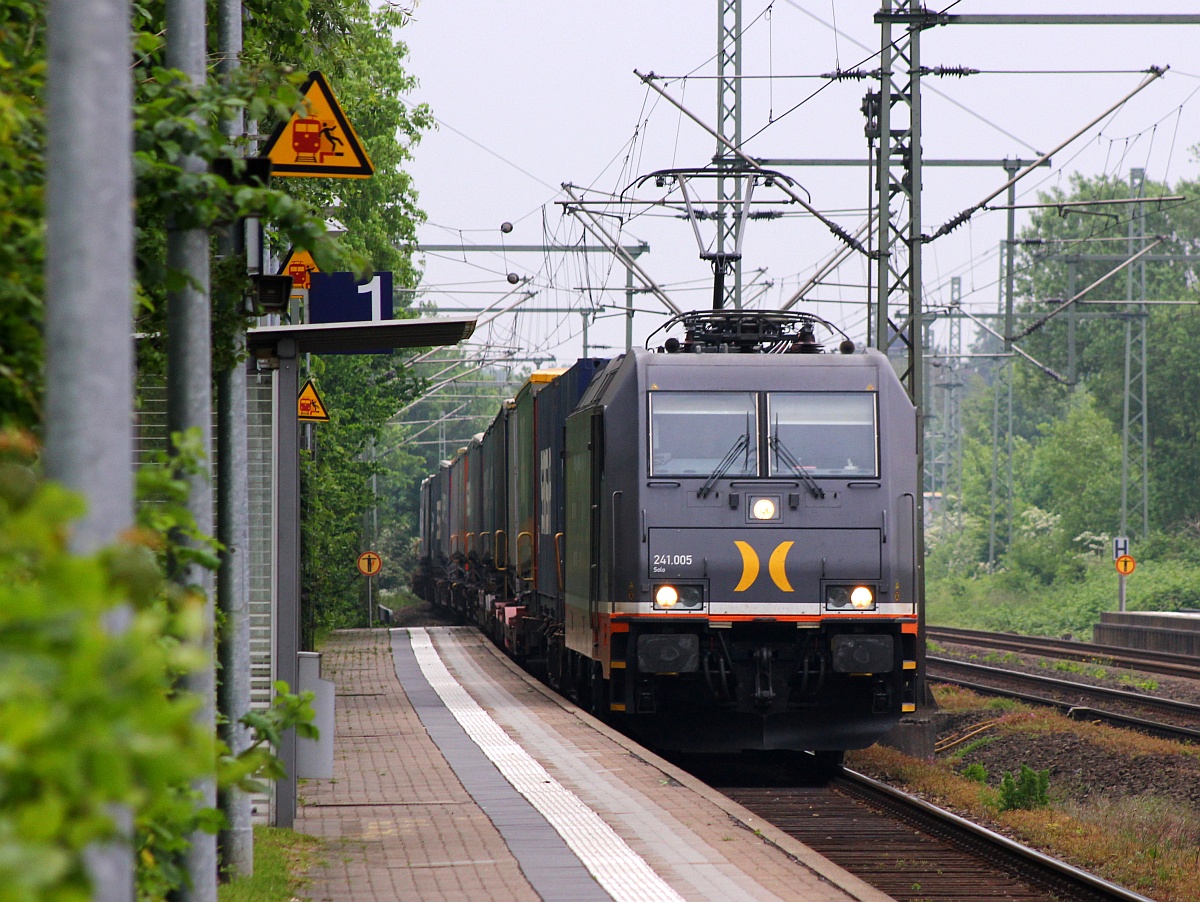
{"type": "Point", "coordinates": [310, 408]}
{"type": "Point", "coordinates": [318, 141]}
{"type": "Point", "coordinates": [300, 265]}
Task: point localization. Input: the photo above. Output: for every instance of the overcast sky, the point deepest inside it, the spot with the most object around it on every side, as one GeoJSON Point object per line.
{"type": "Point", "coordinates": [535, 93]}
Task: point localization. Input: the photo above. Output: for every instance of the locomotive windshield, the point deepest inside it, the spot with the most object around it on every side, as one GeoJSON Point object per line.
{"type": "Point", "coordinates": [692, 433]}
{"type": "Point", "coordinates": [828, 433]}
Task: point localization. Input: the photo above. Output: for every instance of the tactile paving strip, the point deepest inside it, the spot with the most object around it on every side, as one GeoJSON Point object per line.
{"type": "Point", "coordinates": [620, 871]}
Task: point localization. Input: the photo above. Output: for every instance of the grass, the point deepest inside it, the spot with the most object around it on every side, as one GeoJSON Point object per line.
{"type": "Point", "coordinates": [281, 857]}
{"type": "Point", "coordinates": [1148, 844]}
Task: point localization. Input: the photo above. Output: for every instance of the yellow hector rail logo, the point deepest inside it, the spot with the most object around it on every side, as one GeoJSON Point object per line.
{"type": "Point", "coordinates": [318, 141]}
{"type": "Point", "coordinates": [776, 566]}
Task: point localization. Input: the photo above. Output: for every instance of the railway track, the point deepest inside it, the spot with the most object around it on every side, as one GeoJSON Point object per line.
{"type": "Point", "coordinates": [1167, 664]}
{"type": "Point", "coordinates": [1078, 700]}
{"type": "Point", "coordinates": [914, 851]}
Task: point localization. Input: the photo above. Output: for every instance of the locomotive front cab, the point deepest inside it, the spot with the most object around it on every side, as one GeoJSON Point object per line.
{"type": "Point", "coordinates": [770, 580]}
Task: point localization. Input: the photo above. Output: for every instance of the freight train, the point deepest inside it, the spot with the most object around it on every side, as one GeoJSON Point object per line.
{"type": "Point", "coordinates": [710, 543]}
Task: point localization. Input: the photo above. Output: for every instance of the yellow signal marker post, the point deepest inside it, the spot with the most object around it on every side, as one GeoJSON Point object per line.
{"type": "Point", "coordinates": [309, 406]}
{"type": "Point", "coordinates": [370, 563]}
{"type": "Point", "coordinates": [318, 141]}
{"type": "Point", "coordinates": [1125, 565]}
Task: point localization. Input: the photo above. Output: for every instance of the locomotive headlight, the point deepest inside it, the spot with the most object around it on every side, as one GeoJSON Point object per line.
{"type": "Point", "coordinates": [862, 598]}
{"type": "Point", "coordinates": [666, 597]}
{"type": "Point", "coordinates": [850, 598]}
{"type": "Point", "coordinates": [763, 509]}
{"type": "Point", "coordinates": [685, 597]}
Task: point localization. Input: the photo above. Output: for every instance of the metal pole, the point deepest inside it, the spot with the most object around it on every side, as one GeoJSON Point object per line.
{"type": "Point", "coordinates": [89, 304]}
{"type": "Point", "coordinates": [729, 126]}
{"type": "Point", "coordinates": [916, 382]}
{"type": "Point", "coordinates": [1010, 245]}
{"type": "Point", "coordinates": [235, 842]}
{"type": "Point", "coordinates": [1134, 178]}
{"type": "Point", "coordinates": [883, 205]}
{"type": "Point", "coordinates": [1071, 323]}
{"type": "Point", "coordinates": [1010, 169]}
{"type": "Point", "coordinates": [628, 309]}
{"type": "Point", "coordinates": [189, 406]}
{"type": "Point", "coordinates": [287, 557]}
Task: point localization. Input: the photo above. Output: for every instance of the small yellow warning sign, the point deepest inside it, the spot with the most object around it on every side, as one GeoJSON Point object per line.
{"type": "Point", "coordinates": [310, 408]}
{"type": "Point", "coordinates": [369, 563]}
{"type": "Point", "coordinates": [318, 141]}
{"type": "Point", "coordinates": [300, 265]}
{"type": "Point", "coordinates": [1126, 565]}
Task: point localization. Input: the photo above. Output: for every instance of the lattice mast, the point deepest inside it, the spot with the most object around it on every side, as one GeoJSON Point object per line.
{"type": "Point", "coordinates": [729, 125]}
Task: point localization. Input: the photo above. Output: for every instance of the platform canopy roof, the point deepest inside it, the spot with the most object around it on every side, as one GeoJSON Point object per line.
{"type": "Point", "coordinates": [324, 338]}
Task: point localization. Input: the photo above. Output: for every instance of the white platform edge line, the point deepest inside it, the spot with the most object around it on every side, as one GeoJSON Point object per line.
{"type": "Point", "coordinates": [622, 873]}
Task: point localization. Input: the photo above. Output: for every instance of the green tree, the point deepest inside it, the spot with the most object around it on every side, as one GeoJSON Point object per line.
{"type": "Point", "coordinates": [1075, 471]}
{"type": "Point", "coordinates": [361, 392]}
{"type": "Point", "coordinates": [22, 151]}
{"type": "Point", "coordinates": [1053, 243]}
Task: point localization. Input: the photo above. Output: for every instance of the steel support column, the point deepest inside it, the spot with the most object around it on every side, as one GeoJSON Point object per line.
{"type": "Point", "coordinates": [899, 240]}
{"type": "Point", "coordinates": [729, 127]}
{"type": "Point", "coordinates": [1134, 432]}
{"type": "Point", "coordinates": [189, 407]}
{"type": "Point", "coordinates": [236, 841]}
{"type": "Point", "coordinates": [287, 559]}
{"type": "Point", "coordinates": [89, 305]}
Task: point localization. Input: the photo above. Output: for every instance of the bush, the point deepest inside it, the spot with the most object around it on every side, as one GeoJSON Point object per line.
{"type": "Point", "coordinates": [976, 772]}
{"type": "Point", "coordinates": [92, 716]}
{"type": "Point", "coordinates": [89, 718]}
{"type": "Point", "coordinates": [1029, 790]}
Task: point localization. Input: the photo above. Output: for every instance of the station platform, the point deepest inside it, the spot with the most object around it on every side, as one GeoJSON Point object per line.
{"type": "Point", "coordinates": [459, 777]}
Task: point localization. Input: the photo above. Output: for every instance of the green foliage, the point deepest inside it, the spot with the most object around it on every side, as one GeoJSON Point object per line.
{"type": "Point", "coordinates": [92, 649]}
{"type": "Point", "coordinates": [1069, 605]}
{"type": "Point", "coordinates": [361, 392]}
{"type": "Point", "coordinates": [975, 772]}
{"type": "Point", "coordinates": [175, 120]}
{"type": "Point", "coordinates": [1065, 452]}
{"type": "Point", "coordinates": [1075, 470]}
{"type": "Point", "coordinates": [1173, 371]}
{"type": "Point", "coordinates": [973, 745]}
{"type": "Point", "coordinates": [1141, 684]}
{"type": "Point", "coordinates": [89, 713]}
{"type": "Point", "coordinates": [257, 763]}
{"type": "Point", "coordinates": [22, 149]}
{"type": "Point", "coordinates": [1029, 790]}
{"type": "Point", "coordinates": [89, 718]}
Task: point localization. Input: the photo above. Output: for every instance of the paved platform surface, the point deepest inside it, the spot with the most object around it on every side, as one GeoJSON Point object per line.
{"type": "Point", "coordinates": [459, 777]}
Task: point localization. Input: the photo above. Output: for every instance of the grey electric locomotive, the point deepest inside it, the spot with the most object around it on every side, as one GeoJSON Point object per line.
{"type": "Point", "coordinates": [727, 555]}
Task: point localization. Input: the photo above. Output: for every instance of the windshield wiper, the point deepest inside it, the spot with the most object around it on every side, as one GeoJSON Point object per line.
{"type": "Point", "coordinates": [742, 445]}
{"type": "Point", "coordinates": [789, 460]}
